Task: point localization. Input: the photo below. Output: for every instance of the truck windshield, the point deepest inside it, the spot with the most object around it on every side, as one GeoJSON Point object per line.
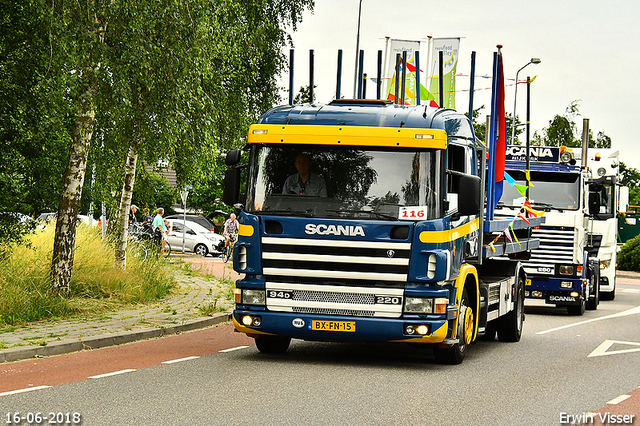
{"type": "Point", "coordinates": [345, 182]}
{"type": "Point", "coordinates": [559, 191]}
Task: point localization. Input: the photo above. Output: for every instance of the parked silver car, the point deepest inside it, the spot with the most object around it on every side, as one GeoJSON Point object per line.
{"type": "Point", "coordinates": [197, 239]}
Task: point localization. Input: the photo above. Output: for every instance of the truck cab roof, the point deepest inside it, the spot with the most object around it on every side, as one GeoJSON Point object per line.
{"type": "Point", "coordinates": [373, 113]}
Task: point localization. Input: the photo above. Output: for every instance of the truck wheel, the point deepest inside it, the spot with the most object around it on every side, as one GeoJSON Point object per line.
{"type": "Point", "coordinates": [576, 309]}
{"type": "Point", "coordinates": [455, 353]}
{"type": "Point", "coordinates": [272, 344]}
{"type": "Point", "coordinates": [594, 298]}
{"type": "Point", "coordinates": [510, 326]}
{"type": "Point", "coordinates": [490, 332]}
{"type": "Point", "coordinates": [608, 295]}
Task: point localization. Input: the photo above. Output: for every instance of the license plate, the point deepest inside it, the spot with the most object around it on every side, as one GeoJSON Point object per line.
{"type": "Point", "coordinates": [347, 326]}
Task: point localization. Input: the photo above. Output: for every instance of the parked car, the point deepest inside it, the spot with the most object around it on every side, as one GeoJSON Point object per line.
{"type": "Point", "coordinates": [197, 239]}
{"type": "Point", "coordinates": [199, 219]}
{"type": "Point", "coordinates": [16, 217]}
{"type": "Point", "coordinates": [45, 218]}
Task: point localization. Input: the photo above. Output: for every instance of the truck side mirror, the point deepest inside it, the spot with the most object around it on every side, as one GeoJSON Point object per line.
{"type": "Point", "coordinates": [594, 203]}
{"type": "Point", "coordinates": [469, 195]}
{"type": "Point", "coordinates": [233, 157]}
{"type": "Point", "coordinates": [231, 191]}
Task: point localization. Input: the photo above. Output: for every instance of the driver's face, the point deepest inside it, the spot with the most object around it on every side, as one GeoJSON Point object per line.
{"type": "Point", "coordinates": [303, 164]}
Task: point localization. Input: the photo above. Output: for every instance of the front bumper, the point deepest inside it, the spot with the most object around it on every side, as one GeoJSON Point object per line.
{"type": "Point", "coordinates": [299, 326]}
{"type": "Point", "coordinates": [552, 291]}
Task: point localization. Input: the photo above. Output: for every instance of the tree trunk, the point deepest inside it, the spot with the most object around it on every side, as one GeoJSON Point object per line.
{"type": "Point", "coordinates": [120, 260]}
{"type": "Point", "coordinates": [65, 238]}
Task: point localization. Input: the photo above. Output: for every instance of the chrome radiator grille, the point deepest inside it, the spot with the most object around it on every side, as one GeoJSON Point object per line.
{"type": "Point", "coordinates": [335, 277]}
{"type": "Point", "coordinates": [556, 246]}
{"type": "Point", "coordinates": [328, 297]}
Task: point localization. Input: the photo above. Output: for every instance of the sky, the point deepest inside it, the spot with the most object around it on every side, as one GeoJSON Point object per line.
{"type": "Point", "coordinates": [589, 51]}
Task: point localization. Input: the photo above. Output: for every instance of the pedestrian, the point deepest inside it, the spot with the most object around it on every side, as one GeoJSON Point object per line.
{"type": "Point", "coordinates": [159, 229]}
{"type": "Point", "coordinates": [132, 216]}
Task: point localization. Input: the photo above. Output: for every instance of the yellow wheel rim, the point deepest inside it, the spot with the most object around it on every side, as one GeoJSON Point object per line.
{"type": "Point", "coordinates": [468, 326]}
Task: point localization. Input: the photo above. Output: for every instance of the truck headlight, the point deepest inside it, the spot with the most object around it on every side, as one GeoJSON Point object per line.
{"type": "Point", "coordinates": [418, 305]}
{"type": "Point", "coordinates": [566, 270]}
{"type": "Point", "coordinates": [604, 264]}
{"type": "Point", "coordinates": [253, 297]}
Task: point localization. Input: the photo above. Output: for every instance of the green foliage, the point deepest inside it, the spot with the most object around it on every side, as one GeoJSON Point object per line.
{"type": "Point", "coordinates": [563, 131]}
{"type": "Point", "coordinates": [629, 255]}
{"type": "Point", "coordinates": [34, 114]}
{"type": "Point", "coordinates": [96, 285]}
{"type": "Point", "coordinates": [173, 79]}
{"type": "Point", "coordinates": [207, 186]}
{"type": "Point", "coordinates": [13, 231]}
{"type": "Point", "coordinates": [304, 95]}
{"type": "Point", "coordinates": [630, 178]}
{"type": "Point", "coordinates": [152, 191]}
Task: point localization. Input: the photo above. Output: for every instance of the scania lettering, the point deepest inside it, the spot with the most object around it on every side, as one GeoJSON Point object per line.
{"type": "Point", "coordinates": [322, 229]}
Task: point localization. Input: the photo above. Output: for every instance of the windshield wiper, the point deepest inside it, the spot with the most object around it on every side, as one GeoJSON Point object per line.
{"type": "Point", "coordinates": [371, 213]}
{"type": "Point", "coordinates": [502, 204]}
{"type": "Point", "coordinates": [546, 206]}
{"type": "Point", "coordinates": [289, 211]}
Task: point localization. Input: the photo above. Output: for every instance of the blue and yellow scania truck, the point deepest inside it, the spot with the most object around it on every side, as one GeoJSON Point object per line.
{"type": "Point", "coordinates": [378, 236]}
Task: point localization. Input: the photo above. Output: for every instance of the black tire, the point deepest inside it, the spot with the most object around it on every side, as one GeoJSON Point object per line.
{"type": "Point", "coordinates": [272, 344]}
{"type": "Point", "coordinates": [577, 310]}
{"type": "Point", "coordinates": [167, 249]}
{"type": "Point", "coordinates": [510, 326]}
{"type": "Point", "coordinates": [594, 299]}
{"type": "Point", "coordinates": [490, 332]}
{"type": "Point", "coordinates": [455, 353]}
{"type": "Point", "coordinates": [594, 287]}
{"type": "Point", "coordinates": [608, 295]}
{"type": "Point", "coordinates": [201, 249]}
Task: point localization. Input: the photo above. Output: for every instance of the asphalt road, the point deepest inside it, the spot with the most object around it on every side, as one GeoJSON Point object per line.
{"type": "Point", "coordinates": [563, 366]}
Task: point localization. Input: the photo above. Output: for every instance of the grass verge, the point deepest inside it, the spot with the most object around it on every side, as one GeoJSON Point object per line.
{"type": "Point", "coordinates": [96, 286]}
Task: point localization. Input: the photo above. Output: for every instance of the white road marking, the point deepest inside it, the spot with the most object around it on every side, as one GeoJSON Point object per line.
{"type": "Point", "coordinates": [115, 373]}
{"type": "Point", "coordinates": [24, 390]}
{"type": "Point", "coordinates": [629, 290]}
{"type": "Point", "coordinates": [234, 349]}
{"type": "Point", "coordinates": [181, 359]}
{"type": "Point", "coordinates": [618, 400]}
{"type": "Point", "coordinates": [602, 349]}
{"type": "Point", "coordinates": [631, 311]}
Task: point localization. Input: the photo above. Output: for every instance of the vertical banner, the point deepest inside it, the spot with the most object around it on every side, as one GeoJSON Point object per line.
{"type": "Point", "coordinates": [397, 47]}
{"type": "Point", "coordinates": [450, 48]}
{"type": "Point", "coordinates": [497, 136]}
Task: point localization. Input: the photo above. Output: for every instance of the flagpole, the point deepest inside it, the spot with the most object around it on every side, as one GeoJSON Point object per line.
{"type": "Point", "coordinates": [355, 73]}
{"type": "Point", "coordinates": [386, 67]}
{"type": "Point", "coordinates": [492, 138]}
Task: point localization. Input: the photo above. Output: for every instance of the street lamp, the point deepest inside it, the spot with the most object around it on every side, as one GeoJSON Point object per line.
{"type": "Point", "coordinates": [355, 73]}
{"type": "Point", "coordinates": [515, 98]}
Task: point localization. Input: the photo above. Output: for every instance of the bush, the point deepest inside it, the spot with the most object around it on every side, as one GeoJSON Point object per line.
{"type": "Point", "coordinates": [629, 255]}
{"type": "Point", "coordinates": [96, 286]}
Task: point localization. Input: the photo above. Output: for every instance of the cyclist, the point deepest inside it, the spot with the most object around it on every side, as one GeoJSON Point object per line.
{"type": "Point", "coordinates": [230, 229]}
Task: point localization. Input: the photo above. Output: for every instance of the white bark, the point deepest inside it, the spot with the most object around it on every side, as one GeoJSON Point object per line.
{"type": "Point", "coordinates": [120, 260]}
{"type": "Point", "coordinates": [65, 238]}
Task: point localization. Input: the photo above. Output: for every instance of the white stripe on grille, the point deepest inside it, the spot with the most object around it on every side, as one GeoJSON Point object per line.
{"type": "Point", "coordinates": [338, 259]}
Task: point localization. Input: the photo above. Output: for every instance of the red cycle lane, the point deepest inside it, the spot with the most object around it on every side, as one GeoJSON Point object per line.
{"type": "Point", "coordinates": [79, 366]}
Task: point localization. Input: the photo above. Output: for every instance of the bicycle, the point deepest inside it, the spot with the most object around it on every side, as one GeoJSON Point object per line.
{"type": "Point", "coordinates": [227, 253]}
{"type": "Point", "coordinates": [139, 241]}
